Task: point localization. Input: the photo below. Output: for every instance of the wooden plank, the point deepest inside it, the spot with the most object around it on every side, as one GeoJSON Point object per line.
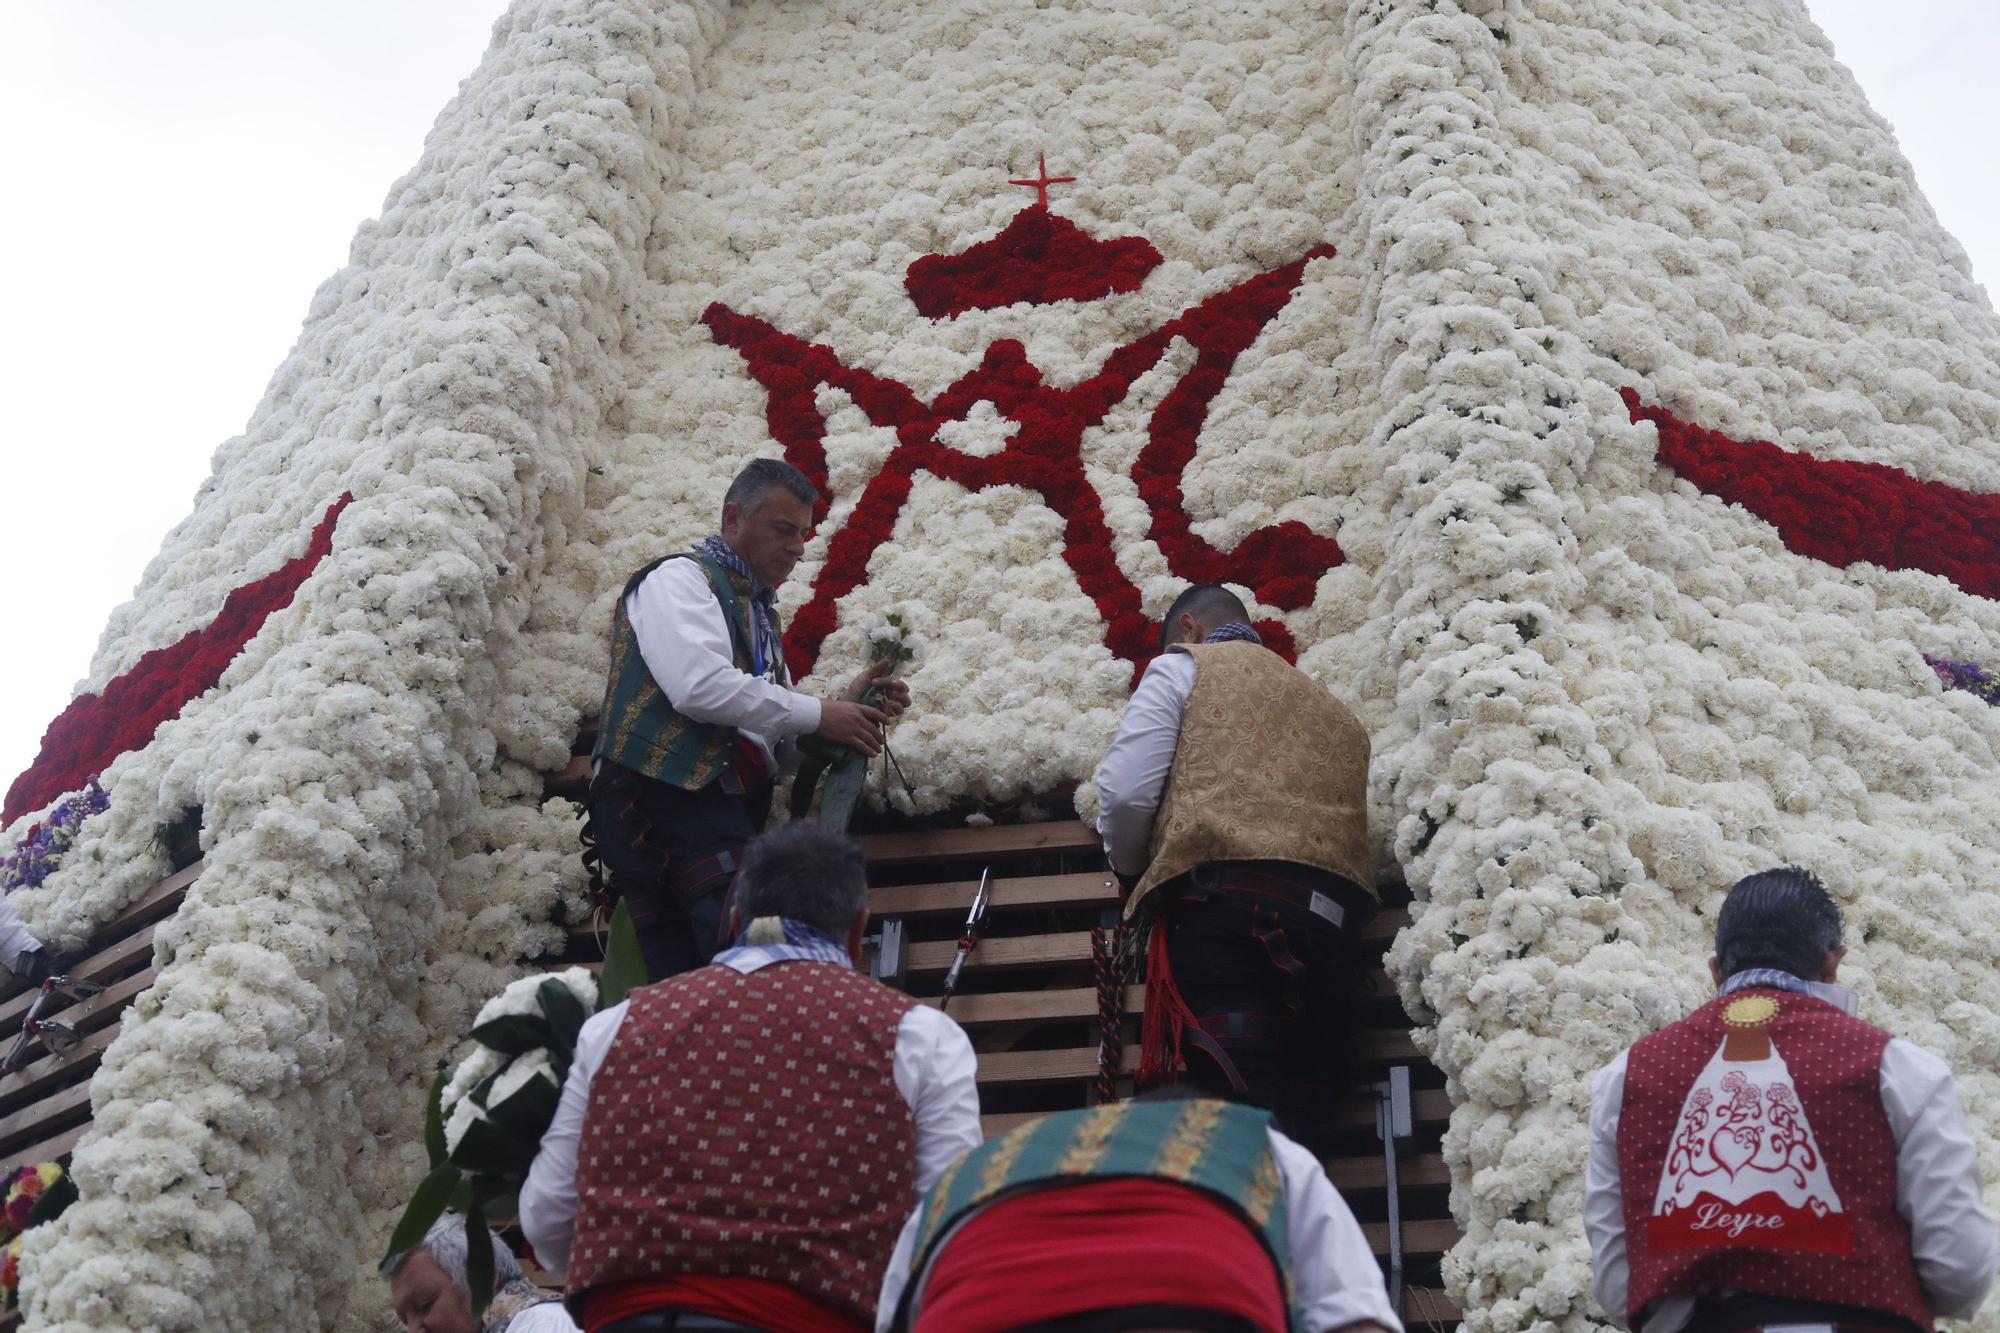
{"type": "Point", "coordinates": [1080, 1062]}
{"type": "Point", "coordinates": [1067, 835]}
{"type": "Point", "coordinates": [105, 962]}
{"type": "Point", "coordinates": [1428, 1107]}
{"type": "Point", "coordinates": [954, 897]}
{"type": "Point", "coordinates": [39, 1075]}
{"type": "Point", "coordinates": [1037, 1006]}
{"type": "Point", "coordinates": [1069, 1065]}
{"type": "Point", "coordinates": [1006, 951]}
{"type": "Point", "coordinates": [45, 1150]}
{"type": "Point", "coordinates": [1368, 1173]}
{"type": "Point", "coordinates": [1423, 1238]}
{"type": "Point", "coordinates": [28, 1122]}
{"type": "Point", "coordinates": [156, 903]}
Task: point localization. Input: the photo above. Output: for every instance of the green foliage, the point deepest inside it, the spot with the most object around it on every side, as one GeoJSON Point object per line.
{"type": "Point", "coordinates": [624, 966]}
{"type": "Point", "coordinates": [434, 1120]}
{"type": "Point", "coordinates": [427, 1205]}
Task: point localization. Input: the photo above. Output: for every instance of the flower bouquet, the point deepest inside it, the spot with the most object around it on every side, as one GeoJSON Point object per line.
{"type": "Point", "coordinates": [838, 772]}
{"type": "Point", "coordinates": [35, 1194]}
{"type": "Point", "coordinates": [37, 856]}
{"type": "Point", "coordinates": [485, 1122]}
{"type": "Point", "coordinates": [1970, 677]}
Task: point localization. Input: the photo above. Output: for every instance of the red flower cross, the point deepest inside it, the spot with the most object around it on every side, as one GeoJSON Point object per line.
{"type": "Point", "coordinates": [1280, 563]}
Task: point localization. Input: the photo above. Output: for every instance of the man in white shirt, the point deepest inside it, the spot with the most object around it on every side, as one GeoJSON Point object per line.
{"type": "Point", "coordinates": [1233, 805]}
{"type": "Point", "coordinates": [1166, 1213]}
{"type": "Point", "coordinates": [741, 1142]}
{"type": "Point", "coordinates": [430, 1294]}
{"type": "Point", "coordinates": [1772, 1161]}
{"type": "Point", "coordinates": [698, 714]}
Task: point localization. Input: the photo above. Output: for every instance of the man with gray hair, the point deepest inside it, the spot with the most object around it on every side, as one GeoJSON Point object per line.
{"type": "Point", "coordinates": [430, 1293]}
{"type": "Point", "coordinates": [699, 712]}
{"type": "Point", "coordinates": [736, 1147]}
{"type": "Point", "coordinates": [1771, 1161]}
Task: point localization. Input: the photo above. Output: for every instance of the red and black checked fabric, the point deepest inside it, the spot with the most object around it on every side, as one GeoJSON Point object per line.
{"type": "Point", "coordinates": [1835, 1062]}
{"type": "Point", "coordinates": [749, 1126]}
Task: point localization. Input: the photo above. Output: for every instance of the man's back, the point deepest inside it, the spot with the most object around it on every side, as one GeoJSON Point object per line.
{"type": "Point", "coordinates": [748, 1125]}
{"type": "Point", "coordinates": [1268, 766]}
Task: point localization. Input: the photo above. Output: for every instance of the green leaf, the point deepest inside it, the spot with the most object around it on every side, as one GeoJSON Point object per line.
{"type": "Point", "coordinates": [434, 1119]}
{"type": "Point", "coordinates": [55, 1198]}
{"type": "Point", "coordinates": [841, 791]}
{"type": "Point", "coordinates": [514, 1034]}
{"type": "Point", "coordinates": [425, 1207]}
{"type": "Point", "coordinates": [527, 1114]}
{"type": "Point", "coordinates": [565, 1014]}
{"type": "Point", "coordinates": [624, 966]}
{"type": "Point", "coordinates": [811, 768]}
{"type": "Point", "coordinates": [478, 1258]}
{"type": "Point", "coordinates": [491, 1149]}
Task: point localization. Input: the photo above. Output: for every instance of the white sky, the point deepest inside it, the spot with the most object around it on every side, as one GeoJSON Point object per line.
{"type": "Point", "coordinates": [183, 176]}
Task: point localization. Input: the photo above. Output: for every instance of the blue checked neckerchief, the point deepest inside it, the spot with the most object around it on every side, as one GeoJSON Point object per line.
{"type": "Point", "coordinates": [1234, 632]}
{"type": "Point", "coordinates": [781, 939]}
{"type": "Point", "coordinates": [1774, 978]}
{"type": "Point", "coordinates": [765, 652]}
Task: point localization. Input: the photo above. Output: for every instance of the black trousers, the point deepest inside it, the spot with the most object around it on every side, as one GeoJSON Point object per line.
{"type": "Point", "coordinates": [672, 854]}
{"type": "Point", "coordinates": [1271, 983]}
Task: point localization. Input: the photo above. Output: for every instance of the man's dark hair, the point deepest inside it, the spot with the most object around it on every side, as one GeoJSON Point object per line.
{"type": "Point", "coordinates": [1210, 603]}
{"type": "Point", "coordinates": [807, 872]}
{"type": "Point", "coordinates": [764, 475]}
{"type": "Point", "coordinates": [1781, 918]}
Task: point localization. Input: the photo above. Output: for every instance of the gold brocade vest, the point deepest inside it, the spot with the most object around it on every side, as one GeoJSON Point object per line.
{"type": "Point", "coordinates": [1270, 767]}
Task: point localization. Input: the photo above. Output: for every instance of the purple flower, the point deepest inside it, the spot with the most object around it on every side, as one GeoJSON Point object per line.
{"type": "Point", "coordinates": [36, 856]}
{"type": "Point", "coordinates": [1973, 679]}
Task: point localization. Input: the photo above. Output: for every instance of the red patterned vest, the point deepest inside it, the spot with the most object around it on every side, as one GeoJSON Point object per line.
{"type": "Point", "coordinates": [1755, 1156]}
{"type": "Point", "coordinates": [749, 1126]}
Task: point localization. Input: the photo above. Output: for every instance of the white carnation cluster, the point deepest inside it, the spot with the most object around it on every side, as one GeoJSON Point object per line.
{"type": "Point", "coordinates": [1616, 695]}
{"type": "Point", "coordinates": [1596, 695]}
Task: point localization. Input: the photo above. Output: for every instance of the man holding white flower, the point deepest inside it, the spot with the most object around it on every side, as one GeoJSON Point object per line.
{"type": "Point", "coordinates": [699, 712]}
{"type": "Point", "coordinates": [736, 1147]}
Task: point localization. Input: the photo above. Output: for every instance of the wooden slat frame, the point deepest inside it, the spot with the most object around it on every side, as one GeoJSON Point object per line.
{"type": "Point", "coordinates": [1000, 840]}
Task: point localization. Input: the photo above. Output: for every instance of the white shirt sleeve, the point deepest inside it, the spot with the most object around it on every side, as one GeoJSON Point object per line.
{"type": "Point", "coordinates": [1603, 1197]}
{"type": "Point", "coordinates": [1335, 1280]}
{"type": "Point", "coordinates": [1937, 1181]}
{"type": "Point", "coordinates": [684, 641]}
{"type": "Point", "coordinates": [551, 1318]}
{"type": "Point", "coordinates": [936, 1072]}
{"type": "Point", "coordinates": [548, 1197]}
{"type": "Point", "coordinates": [897, 1275]}
{"type": "Point", "coordinates": [15, 941]}
{"type": "Point", "coordinates": [1133, 777]}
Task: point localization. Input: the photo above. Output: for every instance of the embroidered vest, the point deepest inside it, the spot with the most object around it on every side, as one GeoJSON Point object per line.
{"type": "Point", "coordinates": [1270, 767]}
{"type": "Point", "coordinates": [514, 1298]}
{"type": "Point", "coordinates": [1218, 1147]}
{"type": "Point", "coordinates": [748, 1126]}
{"type": "Point", "coordinates": [1755, 1156]}
{"type": "Point", "coordinates": [637, 727]}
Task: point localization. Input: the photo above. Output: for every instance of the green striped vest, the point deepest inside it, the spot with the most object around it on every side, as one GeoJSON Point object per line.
{"type": "Point", "coordinates": [1217, 1147]}
{"type": "Point", "coordinates": [636, 726]}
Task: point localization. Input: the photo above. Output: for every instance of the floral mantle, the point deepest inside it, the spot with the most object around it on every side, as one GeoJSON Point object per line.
{"type": "Point", "coordinates": [1339, 308]}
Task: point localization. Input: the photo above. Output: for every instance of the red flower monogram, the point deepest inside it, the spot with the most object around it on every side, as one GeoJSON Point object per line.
{"type": "Point", "coordinates": [1280, 564]}
{"type": "Point", "coordinates": [1839, 511]}
{"type": "Point", "coordinates": [96, 728]}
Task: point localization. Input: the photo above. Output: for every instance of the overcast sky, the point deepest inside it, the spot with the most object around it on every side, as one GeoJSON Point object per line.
{"type": "Point", "coordinates": [183, 176]}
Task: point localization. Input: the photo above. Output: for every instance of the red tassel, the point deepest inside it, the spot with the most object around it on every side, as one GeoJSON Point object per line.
{"type": "Point", "coordinates": [1167, 1015]}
